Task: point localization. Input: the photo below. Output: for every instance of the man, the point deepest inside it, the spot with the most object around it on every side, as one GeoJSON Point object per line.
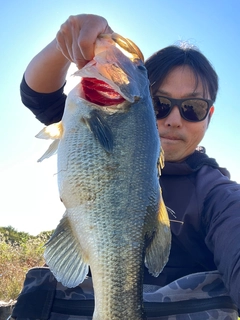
{"type": "Point", "coordinates": [184, 87]}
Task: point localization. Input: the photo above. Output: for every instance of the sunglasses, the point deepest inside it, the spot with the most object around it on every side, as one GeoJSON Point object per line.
{"type": "Point", "coordinates": [192, 109]}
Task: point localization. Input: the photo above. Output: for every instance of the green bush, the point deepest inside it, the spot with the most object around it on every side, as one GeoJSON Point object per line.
{"type": "Point", "coordinates": [19, 252]}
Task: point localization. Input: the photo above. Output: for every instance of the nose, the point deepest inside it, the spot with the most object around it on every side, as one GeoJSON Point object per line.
{"type": "Point", "coordinates": [174, 119]}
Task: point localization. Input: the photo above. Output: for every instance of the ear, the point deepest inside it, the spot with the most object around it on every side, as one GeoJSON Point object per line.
{"type": "Point", "coordinates": [210, 113]}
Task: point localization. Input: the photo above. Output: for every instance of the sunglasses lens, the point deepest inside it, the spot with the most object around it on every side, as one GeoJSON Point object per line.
{"type": "Point", "coordinates": [194, 110]}
{"type": "Point", "coordinates": [162, 107]}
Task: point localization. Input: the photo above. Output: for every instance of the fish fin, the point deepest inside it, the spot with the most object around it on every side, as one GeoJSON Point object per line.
{"type": "Point", "coordinates": [63, 255]}
{"type": "Point", "coordinates": [160, 163]}
{"type": "Point", "coordinates": [50, 151]}
{"type": "Point", "coordinates": [101, 130]}
{"type": "Point", "coordinates": [53, 131]}
{"type": "Point", "coordinates": [157, 252]}
{"type": "Point", "coordinates": [161, 158]}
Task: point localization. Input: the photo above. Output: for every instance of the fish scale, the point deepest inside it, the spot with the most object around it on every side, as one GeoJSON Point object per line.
{"type": "Point", "coordinates": [115, 219]}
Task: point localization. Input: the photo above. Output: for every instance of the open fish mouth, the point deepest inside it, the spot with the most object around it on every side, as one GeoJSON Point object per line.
{"type": "Point", "coordinates": [100, 92]}
{"type": "Point", "coordinates": [110, 78]}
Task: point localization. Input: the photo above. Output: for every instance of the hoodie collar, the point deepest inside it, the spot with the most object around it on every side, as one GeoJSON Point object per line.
{"type": "Point", "coordinates": [192, 164]}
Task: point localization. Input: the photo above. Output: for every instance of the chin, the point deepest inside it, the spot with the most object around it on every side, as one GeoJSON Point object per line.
{"type": "Point", "coordinates": [170, 159]}
{"type": "Point", "coordinates": [173, 157]}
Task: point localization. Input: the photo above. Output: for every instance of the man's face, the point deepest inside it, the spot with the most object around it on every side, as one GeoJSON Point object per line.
{"type": "Point", "coordinates": [179, 138]}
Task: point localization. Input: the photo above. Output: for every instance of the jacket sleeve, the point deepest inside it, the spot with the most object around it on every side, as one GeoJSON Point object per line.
{"type": "Point", "coordinates": [222, 220]}
{"type": "Point", "coordinates": [47, 107]}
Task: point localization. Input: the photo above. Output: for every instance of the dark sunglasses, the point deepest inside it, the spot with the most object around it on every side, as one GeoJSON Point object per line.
{"type": "Point", "coordinates": [192, 109]}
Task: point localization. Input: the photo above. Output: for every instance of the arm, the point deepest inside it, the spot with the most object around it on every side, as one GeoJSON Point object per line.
{"type": "Point", "coordinates": [47, 70]}
{"type": "Point", "coordinates": [223, 225]}
{"type": "Point", "coordinates": [74, 43]}
{"type": "Point", "coordinates": [45, 76]}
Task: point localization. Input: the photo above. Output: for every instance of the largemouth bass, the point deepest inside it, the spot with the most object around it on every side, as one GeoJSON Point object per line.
{"type": "Point", "coordinates": [109, 156]}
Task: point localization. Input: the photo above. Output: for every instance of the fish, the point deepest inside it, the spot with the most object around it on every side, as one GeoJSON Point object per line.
{"type": "Point", "coordinates": [109, 159]}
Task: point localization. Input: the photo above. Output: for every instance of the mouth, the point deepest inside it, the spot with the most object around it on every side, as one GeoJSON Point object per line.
{"type": "Point", "coordinates": [100, 93]}
{"type": "Point", "coordinates": [171, 138]}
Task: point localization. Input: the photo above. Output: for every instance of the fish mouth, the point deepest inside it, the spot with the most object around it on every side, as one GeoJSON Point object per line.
{"type": "Point", "coordinates": [116, 74]}
{"type": "Point", "coordinates": [101, 93]}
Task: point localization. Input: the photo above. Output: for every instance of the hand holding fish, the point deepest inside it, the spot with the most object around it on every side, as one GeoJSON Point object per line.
{"type": "Point", "coordinates": [75, 42]}
{"type": "Point", "coordinates": [77, 36]}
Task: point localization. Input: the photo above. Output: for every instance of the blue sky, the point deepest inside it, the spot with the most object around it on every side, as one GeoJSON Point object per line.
{"type": "Point", "coordinates": [29, 196]}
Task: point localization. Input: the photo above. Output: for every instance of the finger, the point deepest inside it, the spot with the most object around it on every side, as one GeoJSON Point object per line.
{"type": "Point", "coordinates": [92, 27]}
{"type": "Point", "coordinates": [76, 53]}
{"type": "Point", "coordinates": [61, 46]}
{"type": "Point", "coordinates": [64, 39]}
{"type": "Point", "coordinates": [77, 56]}
{"type": "Point", "coordinates": [77, 36]}
{"type": "Point", "coordinates": [108, 29]}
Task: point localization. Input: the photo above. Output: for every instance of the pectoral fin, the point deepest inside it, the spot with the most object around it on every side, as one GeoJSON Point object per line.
{"type": "Point", "coordinates": [50, 151]}
{"type": "Point", "coordinates": [158, 250]}
{"type": "Point", "coordinates": [101, 130]}
{"type": "Point", "coordinates": [64, 256]}
{"type": "Point", "coordinates": [53, 131]}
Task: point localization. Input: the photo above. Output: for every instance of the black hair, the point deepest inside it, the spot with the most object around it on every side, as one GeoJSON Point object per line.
{"type": "Point", "coordinates": [165, 60]}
